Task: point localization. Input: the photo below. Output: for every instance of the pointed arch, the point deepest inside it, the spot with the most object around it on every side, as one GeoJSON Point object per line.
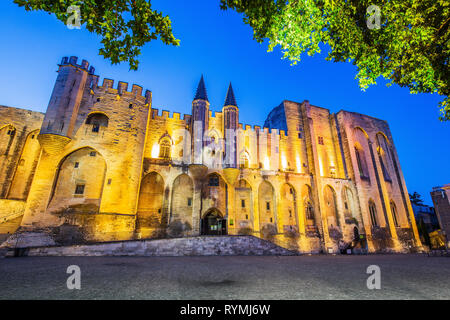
{"type": "Point", "coordinates": [97, 119]}
{"type": "Point", "coordinates": [213, 222]}
{"type": "Point", "coordinates": [214, 193]}
{"type": "Point", "coordinates": [212, 152]}
{"type": "Point", "coordinates": [165, 146]}
{"type": "Point", "coordinates": [394, 212]}
{"type": "Point", "coordinates": [151, 202]}
{"type": "Point", "coordinates": [349, 203]}
{"type": "Point", "coordinates": [244, 205]}
{"type": "Point", "coordinates": [79, 179]}
{"type": "Point", "coordinates": [373, 213]}
{"type": "Point", "coordinates": [288, 214]}
{"type": "Point", "coordinates": [267, 204]}
{"type": "Point", "coordinates": [182, 199]}
{"type": "Point", "coordinates": [24, 172]}
{"type": "Point", "coordinates": [384, 156]}
{"type": "Point", "coordinates": [308, 207]}
{"type": "Point", "coordinates": [360, 148]}
{"type": "Point", "coordinates": [331, 207]}
{"type": "Point", "coordinates": [7, 134]}
{"type": "Point", "coordinates": [244, 159]}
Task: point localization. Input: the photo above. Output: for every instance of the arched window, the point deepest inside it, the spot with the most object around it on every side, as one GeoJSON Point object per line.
{"type": "Point", "coordinates": [373, 213]}
{"type": "Point", "coordinates": [7, 134]}
{"type": "Point", "coordinates": [243, 160]}
{"type": "Point", "coordinates": [394, 214]}
{"type": "Point", "coordinates": [382, 156]}
{"type": "Point", "coordinates": [331, 207]}
{"type": "Point", "coordinates": [97, 120]}
{"type": "Point", "coordinates": [309, 211]}
{"type": "Point", "coordinates": [164, 149]}
{"type": "Point", "coordinates": [361, 161]}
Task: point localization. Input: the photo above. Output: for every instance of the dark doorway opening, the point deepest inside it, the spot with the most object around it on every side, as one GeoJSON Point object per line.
{"type": "Point", "coordinates": [214, 224]}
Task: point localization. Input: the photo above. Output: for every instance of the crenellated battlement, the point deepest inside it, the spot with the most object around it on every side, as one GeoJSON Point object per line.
{"type": "Point", "coordinates": [122, 89]}
{"type": "Point", "coordinates": [166, 115]}
{"type": "Point", "coordinates": [255, 128]}
{"type": "Point", "coordinates": [214, 114]}
{"type": "Point", "coordinates": [73, 62]}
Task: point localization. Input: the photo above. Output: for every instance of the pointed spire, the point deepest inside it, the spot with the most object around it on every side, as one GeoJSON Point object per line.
{"type": "Point", "coordinates": [230, 100]}
{"type": "Point", "coordinates": [201, 91]}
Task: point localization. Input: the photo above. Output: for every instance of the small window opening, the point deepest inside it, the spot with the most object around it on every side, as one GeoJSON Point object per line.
{"type": "Point", "coordinates": [79, 189]}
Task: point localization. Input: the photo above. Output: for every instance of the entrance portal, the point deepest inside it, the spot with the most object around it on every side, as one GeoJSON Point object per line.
{"type": "Point", "coordinates": [214, 224]}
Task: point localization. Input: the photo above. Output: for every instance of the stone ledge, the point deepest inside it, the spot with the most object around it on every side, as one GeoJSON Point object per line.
{"type": "Point", "coordinates": [194, 246]}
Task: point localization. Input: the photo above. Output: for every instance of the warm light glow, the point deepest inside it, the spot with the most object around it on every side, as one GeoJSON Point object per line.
{"type": "Point", "coordinates": [155, 151]}
{"type": "Point", "coordinates": [266, 163]}
{"type": "Point", "coordinates": [299, 164]}
{"type": "Point", "coordinates": [321, 167]}
{"type": "Point", "coordinates": [283, 162]}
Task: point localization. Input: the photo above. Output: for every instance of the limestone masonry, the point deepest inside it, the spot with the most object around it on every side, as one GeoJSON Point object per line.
{"type": "Point", "coordinates": [102, 165]}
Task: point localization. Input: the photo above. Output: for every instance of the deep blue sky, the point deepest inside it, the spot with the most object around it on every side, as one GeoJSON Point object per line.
{"type": "Point", "coordinates": [219, 45]}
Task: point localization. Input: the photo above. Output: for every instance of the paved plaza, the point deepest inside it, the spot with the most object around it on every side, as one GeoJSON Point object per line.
{"type": "Point", "coordinates": [218, 277]}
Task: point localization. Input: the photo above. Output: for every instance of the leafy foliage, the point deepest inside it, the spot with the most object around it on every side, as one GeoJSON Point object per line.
{"type": "Point", "coordinates": [411, 48]}
{"type": "Point", "coordinates": [124, 25]}
{"type": "Point", "coordinates": [416, 199]}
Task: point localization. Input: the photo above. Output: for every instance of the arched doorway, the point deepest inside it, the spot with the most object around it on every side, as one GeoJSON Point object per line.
{"type": "Point", "coordinates": [213, 223]}
{"type": "Point", "coordinates": [150, 205]}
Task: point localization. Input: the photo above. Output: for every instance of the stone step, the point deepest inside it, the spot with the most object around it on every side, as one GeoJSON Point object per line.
{"type": "Point", "coordinates": [191, 246]}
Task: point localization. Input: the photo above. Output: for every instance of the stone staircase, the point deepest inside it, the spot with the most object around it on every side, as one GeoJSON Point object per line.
{"type": "Point", "coordinates": [191, 246]}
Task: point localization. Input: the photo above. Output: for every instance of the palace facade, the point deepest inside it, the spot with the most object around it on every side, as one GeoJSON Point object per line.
{"type": "Point", "coordinates": [101, 164]}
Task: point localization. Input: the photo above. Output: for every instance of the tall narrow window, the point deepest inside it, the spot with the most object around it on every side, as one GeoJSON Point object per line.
{"type": "Point", "coordinates": [243, 161]}
{"type": "Point", "coordinates": [394, 214]}
{"type": "Point", "coordinates": [309, 211]}
{"type": "Point", "coordinates": [361, 161]}
{"type": "Point", "coordinates": [383, 169]}
{"type": "Point", "coordinates": [243, 203]}
{"type": "Point", "coordinates": [268, 205]}
{"type": "Point", "coordinates": [373, 213]}
{"type": "Point", "coordinates": [164, 149]}
{"type": "Point", "coordinates": [383, 156]}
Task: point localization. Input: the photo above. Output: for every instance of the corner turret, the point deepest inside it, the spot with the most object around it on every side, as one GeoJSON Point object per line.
{"type": "Point", "coordinates": [59, 122]}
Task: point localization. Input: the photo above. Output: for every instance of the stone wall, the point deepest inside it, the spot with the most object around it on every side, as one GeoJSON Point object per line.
{"type": "Point", "coordinates": [192, 246]}
{"type": "Point", "coordinates": [19, 150]}
{"type": "Point", "coordinates": [441, 201]}
{"type": "Point", "coordinates": [114, 168]}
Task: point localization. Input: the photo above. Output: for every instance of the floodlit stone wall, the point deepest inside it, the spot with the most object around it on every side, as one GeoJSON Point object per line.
{"type": "Point", "coordinates": [102, 165]}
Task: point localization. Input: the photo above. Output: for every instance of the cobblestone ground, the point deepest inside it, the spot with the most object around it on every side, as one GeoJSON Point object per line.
{"type": "Point", "coordinates": [298, 277]}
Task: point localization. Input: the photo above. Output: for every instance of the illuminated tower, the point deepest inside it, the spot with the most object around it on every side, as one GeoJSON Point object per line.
{"type": "Point", "coordinates": [199, 120]}
{"type": "Point", "coordinates": [230, 113]}
{"type": "Point", "coordinates": [58, 126]}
